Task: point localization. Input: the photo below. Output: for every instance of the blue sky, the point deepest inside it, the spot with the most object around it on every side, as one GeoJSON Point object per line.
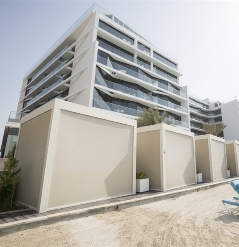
{"type": "Point", "coordinates": [204, 36]}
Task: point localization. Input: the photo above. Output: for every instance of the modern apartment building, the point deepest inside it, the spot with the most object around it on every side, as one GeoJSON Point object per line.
{"type": "Point", "coordinates": [203, 110]}
{"type": "Point", "coordinates": [102, 62]}
{"type": "Point", "coordinates": [217, 111]}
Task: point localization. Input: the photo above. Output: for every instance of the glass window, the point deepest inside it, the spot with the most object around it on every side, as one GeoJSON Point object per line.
{"type": "Point", "coordinates": [116, 32]}
{"type": "Point", "coordinates": [143, 48]}
{"type": "Point", "coordinates": [165, 74]}
{"type": "Point", "coordinates": [115, 49]}
{"type": "Point", "coordinates": [143, 63]}
{"type": "Point", "coordinates": [164, 60]}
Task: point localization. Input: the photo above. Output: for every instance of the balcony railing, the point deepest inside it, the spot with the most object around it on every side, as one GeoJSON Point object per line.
{"type": "Point", "coordinates": [47, 77]}
{"type": "Point", "coordinates": [204, 113]}
{"type": "Point", "coordinates": [139, 94]}
{"type": "Point", "coordinates": [133, 112]}
{"type": "Point", "coordinates": [198, 104]}
{"type": "Point", "coordinates": [116, 51]}
{"type": "Point", "coordinates": [196, 126]}
{"type": "Point", "coordinates": [143, 48]}
{"type": "Point", "coordinates": [13, 117]}
{"type": "Point", "coordinates": [50, 62]}
{"type": "Point", "coordinates": [160, 72]}
{"type": "Point", "coordinates": [164, 60]}
{"type": "Point", "coordinates": [44, 92]}
{"type": "Point", "coordinates": [142, 77]}
{"type": "Point", "coordinates": [142, 63]}
{"type": "Point", "coordinates": [172, 90]}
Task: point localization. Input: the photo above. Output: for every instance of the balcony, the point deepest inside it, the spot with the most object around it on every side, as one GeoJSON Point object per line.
{"type": "Point", "coordinates": [49, 63]}
{"type": "Point", "coordinates": [206, 114]}
{"type": "Point", "coordinates": [13, 117]}
{"type": "Point", "coordinates": [142, 77]}
{"type": "Point", "coordinates": [195, 126]}
{"type": "Point", "coordinates": [164, 74]}
{"type": "Point", "coordinates": [116, 32]}
{"type": "Point", "coordinates": [133, 112]}
{"type": "Point", "coordinates": [115, 49]}
{"type": "Point", "coordinates": [138, 94]}
{"type": "Point", "coordinates": [164, 60]}
{"type": "Point", "coordinates": [142, 63]}
{"type": "Point", "coordinates": [143, 48]}
{"type": "Point", "coordinates": [198, 104]}
{"type": "Point", "coordinates": [172, 90]}
{"type": "Point", "coordinates": [46, 78]}
{"type": "Point", "coordinates": [44, 92]}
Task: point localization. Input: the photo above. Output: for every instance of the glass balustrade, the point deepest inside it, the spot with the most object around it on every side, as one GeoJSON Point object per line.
{"type": "Point", "coordinates": [199, 119]}
{"type": "Point", "coordinates": [137, 75]}
{"type": "Point", "coordinates": [198, 104]}
{"type": "Point", "coordinates": [176, 122]}
{"type": "Point", "coordinates": [46, 90]}
{"type": "Point", "coordinates": [142, 63]}
{"type": "Point", "coordinates": [204, 113]}
{"type": "Point", "coordinates": [143, 48]}
{"type": "Point", "coordinates": [115, 49]}
{"type": "Point", "coordinates": [116, 32]}
{"type": "Point", "coordinates": [164, 60]}
{"type": "Point", "coordinates": [52, 60]}
{"type": "Point", "coordinates": [165, 74]}
{"type": "Point", "coordinates": [47, 77]}
{"type": "Point", "coordinates": [172, 89]}
{"type": "Point", "coordinates": [195, 126]}
{"type": "Point", "coordinates": [134, 112]}
{"type": "Point", "coordinates": [117, 108]}
{"type": "Point", "coordinates": [139, 94]}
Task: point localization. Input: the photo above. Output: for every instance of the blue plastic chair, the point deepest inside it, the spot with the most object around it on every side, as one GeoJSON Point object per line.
{"type": "Point", "coordinates": [233, 201]}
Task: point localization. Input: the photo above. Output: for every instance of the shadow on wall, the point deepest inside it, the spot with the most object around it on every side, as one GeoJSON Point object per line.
{"type": "Point", "coordinates": [99, 157]}
{"type": "Point", "coordinates": [223, 168]}
{"type": "Point", "coordinates": [189, 172]}
{"type": "Point", "coordinates": [120, 180]}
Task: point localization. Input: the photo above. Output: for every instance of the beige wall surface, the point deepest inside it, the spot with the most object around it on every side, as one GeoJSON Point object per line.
{"type": "Point", "coordinates": [148, 157]}
{"type": "Point", "coordinates": [180, 162]}
{"type": "Point", "coordinates": [231, 158]}
{"type": "Point", "coordinates": [2, 160]}
{"type": "Point", "coordinates": [93, 160]}
{"type": "Point", "coordinates": [203, 159]}
{"type": "Point", "coordinates": [237, 157]}
{"type": "Point", "coordinates": [218, 160]}
{"type": "Point", "coordinates": [31, 149]}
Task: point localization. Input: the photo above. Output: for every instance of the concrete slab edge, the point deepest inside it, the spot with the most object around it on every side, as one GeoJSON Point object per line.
{"type": "Point", "coordinates": [9, 228]}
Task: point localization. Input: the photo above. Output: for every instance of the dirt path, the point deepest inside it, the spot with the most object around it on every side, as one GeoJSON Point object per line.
{"type": "Point", "coordinates": [197, 219]}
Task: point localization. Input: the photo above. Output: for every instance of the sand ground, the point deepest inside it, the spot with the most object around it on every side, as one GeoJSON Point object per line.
{"type": "Point", "coordinates": [197, 219]}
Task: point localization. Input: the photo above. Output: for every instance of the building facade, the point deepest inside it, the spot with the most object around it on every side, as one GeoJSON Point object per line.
{"type": "Point", "coordinates": [203, 110]}
{"type": "Point", "coordinates": [217, 111]}
{"type": "Point", "coordinates": [101, 62]}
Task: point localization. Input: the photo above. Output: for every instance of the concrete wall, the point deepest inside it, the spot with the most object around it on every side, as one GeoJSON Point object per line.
{"type": "Point", "coordinates": [148, 157]}
{"type": "Point", "coordinates": [219, 159]}
{"type": "Point", "coordinates": [231, 159]}
{"type": "Point", "coordinates": [93, 160]}
{"type": "Point", "coordinates": [203, 159]}
{"type": "Point", "coordinates": [211, 157]}
{"type": "Point", "coordinates": [180, 160]}
{"type": "Point", "coordinates": [31, 152]}
{"type": "Point", "coordinates": [167, 155]}
{"type": "Point", "coordinates": [232, 150]}
{"type": "Point", "coordinates": [230, 117]}
{"type": "Point", "coordinates": [71, 154]}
